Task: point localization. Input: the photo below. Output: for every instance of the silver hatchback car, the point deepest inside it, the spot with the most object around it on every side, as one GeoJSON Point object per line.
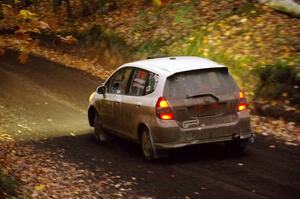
{"type": "Point", "coordinates": [171, 102]}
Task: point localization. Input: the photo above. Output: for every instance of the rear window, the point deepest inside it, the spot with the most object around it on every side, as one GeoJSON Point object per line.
{"type": "Point", "coordinates": [200, 82]}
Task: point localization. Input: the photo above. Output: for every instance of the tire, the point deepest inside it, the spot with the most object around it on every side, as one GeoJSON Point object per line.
{"type": "Point", "coordinates": [146, 144]}
{"type": "Point", "coordinates": [236, 146]}
{"type": "Point", "coordinates": [100, 134]}
{"type": "Point", "coordinates": [148, 149]}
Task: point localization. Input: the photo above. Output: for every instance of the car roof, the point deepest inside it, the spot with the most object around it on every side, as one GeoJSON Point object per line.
{"type": "Point", "coordinates": [176, 64]}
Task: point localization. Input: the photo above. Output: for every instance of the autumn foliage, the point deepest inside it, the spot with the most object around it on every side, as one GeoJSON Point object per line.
{"type": "Point", "coordinates": [27, 27]}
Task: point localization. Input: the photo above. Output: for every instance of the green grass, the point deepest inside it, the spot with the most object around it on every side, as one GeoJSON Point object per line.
{"type": "Point", "coordinates": [279, 81]}
{"type": "Point", "coordinates": [8, 185]}
{"type": "Point", "coordinates": [182, 15]}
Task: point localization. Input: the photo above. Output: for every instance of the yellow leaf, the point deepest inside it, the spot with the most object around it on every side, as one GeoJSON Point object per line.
{"type": "Point", "coordinates": [157, 3]}
{"type": "Point", "coordinates": [23, 57]}
{"type": "Point", "coordinates": [227, 33]}
{"type": "Point", "coordinates": [26, 14]}
{"type": "Point", "coordinates": [39, 187]}
{"type": "Point", "coordinates": [243, 20]}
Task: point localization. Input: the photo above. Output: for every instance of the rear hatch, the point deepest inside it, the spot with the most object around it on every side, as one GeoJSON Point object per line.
{"type": "Point", "coordinates": [202, 97]}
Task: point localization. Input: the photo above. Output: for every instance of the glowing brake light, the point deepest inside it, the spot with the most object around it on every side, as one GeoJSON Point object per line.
{"type": "Point", "coordinates": [242, 102]}
{"type": "Point", "coordinates": [166, 116]}
{"type": "Point", "coordinates": [163, 110]}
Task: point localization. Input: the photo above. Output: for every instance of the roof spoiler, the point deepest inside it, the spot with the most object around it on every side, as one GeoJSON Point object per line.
{"type": "Point", "coordinates": [157, 56]}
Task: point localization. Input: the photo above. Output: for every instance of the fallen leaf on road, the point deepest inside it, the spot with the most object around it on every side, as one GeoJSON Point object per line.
{"type": "Point", "coordinates": [39, 187]}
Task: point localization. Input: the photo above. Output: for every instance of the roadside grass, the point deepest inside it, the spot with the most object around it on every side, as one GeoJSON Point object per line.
{"type": "Point", "coordinates": [280, 80]}
{"type": "Point", "coordinates": [183, 15]}
{"type": "Point", "coordinates": [8, 186]}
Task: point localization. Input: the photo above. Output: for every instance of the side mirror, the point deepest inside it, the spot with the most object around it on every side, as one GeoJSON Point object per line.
{"type": "Point", "coordinates": [101, 90]}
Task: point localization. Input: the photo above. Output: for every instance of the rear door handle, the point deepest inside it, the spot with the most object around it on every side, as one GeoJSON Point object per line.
{"type": "Point", "coordinates": [138, 105]}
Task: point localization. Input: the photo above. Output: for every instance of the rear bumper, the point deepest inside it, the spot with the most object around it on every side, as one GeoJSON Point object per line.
{"type": "Point", "coordinates": [167, 134]}
{"type": "Point", "coordinates": [249, 139]}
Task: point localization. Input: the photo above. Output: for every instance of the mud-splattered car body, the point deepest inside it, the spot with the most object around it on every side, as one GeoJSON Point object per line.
{"type": "Point", "coordinates": [174, 101]}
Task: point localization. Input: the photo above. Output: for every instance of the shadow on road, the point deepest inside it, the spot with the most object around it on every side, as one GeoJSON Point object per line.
{"type": "Point", "coordinates": [120, 149]}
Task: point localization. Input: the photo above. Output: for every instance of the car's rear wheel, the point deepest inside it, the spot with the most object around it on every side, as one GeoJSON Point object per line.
{"type": "Point", "coordinates": [146, 144]}
{"type": "Point", "coordinates": [236, 146]}
{"type": "Point", "coordinates": [100, 134]}
{"type": "Point", "coordinates": [148, 149]}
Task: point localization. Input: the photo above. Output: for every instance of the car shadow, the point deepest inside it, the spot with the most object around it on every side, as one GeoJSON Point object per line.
{"type": "Point", "coordinates": [85, 147]}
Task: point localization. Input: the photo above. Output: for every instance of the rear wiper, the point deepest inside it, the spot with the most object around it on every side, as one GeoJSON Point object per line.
{"type": "Point", "coordinates": [201, 95]}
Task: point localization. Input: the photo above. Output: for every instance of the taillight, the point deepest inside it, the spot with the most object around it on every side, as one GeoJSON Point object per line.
{"type": "Point", "coordinates": [242, 107]}
{"type": "Point", "coordinates": [163, 110]}
{"type": "Point", "coordinates": [242, 102]}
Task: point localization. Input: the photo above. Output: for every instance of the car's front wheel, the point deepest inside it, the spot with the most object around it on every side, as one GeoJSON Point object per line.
{"type": "Point", "coordinates": [100, 134]}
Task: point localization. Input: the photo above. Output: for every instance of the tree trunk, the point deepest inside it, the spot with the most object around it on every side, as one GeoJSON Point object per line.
{"type": "Point", "coordinates": [69, 9]}
{"type": "Point", "coordinates": [86, 8]}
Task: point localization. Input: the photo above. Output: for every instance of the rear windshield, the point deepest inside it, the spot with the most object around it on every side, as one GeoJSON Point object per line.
{"type": "Point", "coordinates": [199, 82]}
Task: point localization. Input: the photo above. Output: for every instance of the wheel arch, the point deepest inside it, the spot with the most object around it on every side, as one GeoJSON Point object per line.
{"type": "Point", "coordinates": [141, 126]}
{"type": "Point", "coordinates": [140, 129]}
{"type": "Point", "coordinates": [91, 114]}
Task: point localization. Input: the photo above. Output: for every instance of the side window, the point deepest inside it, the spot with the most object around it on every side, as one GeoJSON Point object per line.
{"type": "Point", "coordinates": [151, 82]}
{"type": "Point", "coordinates": [119, 81]}
{"type": "Point", "coordinates": [143, 82]}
